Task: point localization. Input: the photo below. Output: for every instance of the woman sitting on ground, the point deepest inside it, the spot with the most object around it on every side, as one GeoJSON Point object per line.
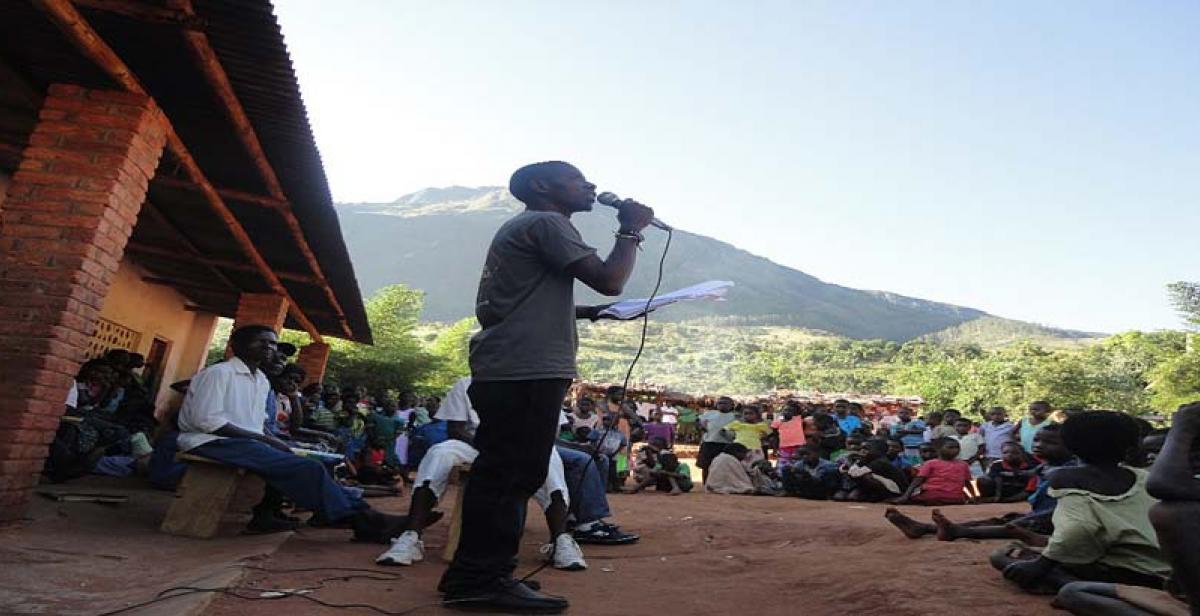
{"type": "Point", "coordinates": [1102, 528]}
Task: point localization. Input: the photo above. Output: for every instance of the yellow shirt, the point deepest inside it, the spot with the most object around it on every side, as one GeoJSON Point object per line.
{"type": "Point", "coordinates": [748, 434]}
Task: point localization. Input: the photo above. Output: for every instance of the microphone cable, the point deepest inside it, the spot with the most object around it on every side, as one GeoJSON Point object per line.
{"type": "Point", "coordinates": [592, 458]}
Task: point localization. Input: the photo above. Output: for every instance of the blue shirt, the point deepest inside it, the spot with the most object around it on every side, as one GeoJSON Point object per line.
{"type": "Point", "coordinates": [911, 441]}
{"type": "Point", "coordinates": [1039, 500]}
{"type": "Point", "coordinates": [849, 423]}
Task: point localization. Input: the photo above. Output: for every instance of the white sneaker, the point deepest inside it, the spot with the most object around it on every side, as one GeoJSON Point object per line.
{"type": "Point", "coordinates": [406, 550]}
{"type": "Point", "coordinates": [567, 555]}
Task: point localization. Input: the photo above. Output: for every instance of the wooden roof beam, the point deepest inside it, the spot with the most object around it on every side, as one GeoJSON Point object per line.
{"type": "Point", "coordinates": [207, 61]}
{"type": "Point", "coordinates": [196, 257]}
{"type": "Point", "coordinates": [143, 11]}
{"type": "Point", "coordinates": [175, 232]}
{"type": "Point", "coordinates": [77, 29]}
{"type": "Point", "coordinates": [229, 194]}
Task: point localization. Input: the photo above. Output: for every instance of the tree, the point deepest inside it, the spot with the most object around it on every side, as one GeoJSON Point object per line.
{"type": "Point", "coordinates": [1185, 297]}
{"type": "Point", "coordinates": [451, 347]}
{"type": "Point", "coordinates": [396, 360]}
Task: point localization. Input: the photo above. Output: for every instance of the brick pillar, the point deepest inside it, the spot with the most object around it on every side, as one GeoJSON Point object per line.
{"type": "Point", "coordinates": [312, 358]}
{"type": "Point", "coordinates": [261, 309]}
{"type": "Point", "coordinates": [72, 204]}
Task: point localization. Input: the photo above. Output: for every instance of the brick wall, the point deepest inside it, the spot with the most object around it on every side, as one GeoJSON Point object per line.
{"type": "Point", "coordinates": [70, 209]}
{"type": "Point", "coordinates": [312, 358]}
{"type": "Point", "coordinates": [261, 309]}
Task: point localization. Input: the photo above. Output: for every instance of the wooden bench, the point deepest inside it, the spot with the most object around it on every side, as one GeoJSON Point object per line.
{"type": "Point", "coordinates": [459, 474]}
{"type": "Point", "coordinates": [203, 496]}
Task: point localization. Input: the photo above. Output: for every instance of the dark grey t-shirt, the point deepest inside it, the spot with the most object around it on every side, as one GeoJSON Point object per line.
{"type": "Point", "coordinates": [526, 301]}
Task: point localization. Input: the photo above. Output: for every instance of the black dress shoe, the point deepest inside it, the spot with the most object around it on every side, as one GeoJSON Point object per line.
{"type": "Point", "coordinates": [511, 597]}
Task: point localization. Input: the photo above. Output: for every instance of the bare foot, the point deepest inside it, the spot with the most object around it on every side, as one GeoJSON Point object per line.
{"type": "Point", "coordinates": [675, 492]}
{"type": "Point", "coordinates": [946, 530]}
{"type": "Point", "coordinates": [910, 527]}
{"type": "Point", "coordinates": [1026, 536]}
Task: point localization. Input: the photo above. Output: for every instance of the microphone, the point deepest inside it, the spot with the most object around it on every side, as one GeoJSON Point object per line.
{"type": "Point", "coordinates": [613, 201]}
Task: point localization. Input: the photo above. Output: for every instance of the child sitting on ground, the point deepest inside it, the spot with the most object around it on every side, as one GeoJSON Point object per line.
{"type": "Point", "coordinates": [1032, 528]}
{"type": "Point", "coordinates": [940, 481]}
{"type": "Point", "coordinates": [727, 474]}
{"type": "Point", "coordinates": [869, 476]}
{"type": "Point", "coordinates": [1176, 519]}
{"type": "Point", "coordinates": [750, 432]}
{"type": "Point", "coordinates": [644, 464]}
{"type": "Point", "coordinates": [810, 477]}
{"type": "Point", "coordinates": [895, 455]}
{"type": "Point", "coordinates": [669, 475]}
{"type": "Point", "coordinates": [609, 441]}
{"type": "Point", "coordinates": [1007, 478]}
{"type": "Point", "coordinates": [1102, 529]}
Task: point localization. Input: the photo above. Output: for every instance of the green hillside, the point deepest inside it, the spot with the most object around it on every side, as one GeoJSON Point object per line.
{"type": "Point", "coordinates": [435, 240]}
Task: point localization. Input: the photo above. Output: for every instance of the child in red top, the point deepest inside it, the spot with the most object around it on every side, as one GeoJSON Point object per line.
{"type": "Point", "coordinates": [940, 481]}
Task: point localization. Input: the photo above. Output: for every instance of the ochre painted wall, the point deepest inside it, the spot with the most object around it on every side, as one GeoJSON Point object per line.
{"type": "Point", "coordinates": [158, 311]}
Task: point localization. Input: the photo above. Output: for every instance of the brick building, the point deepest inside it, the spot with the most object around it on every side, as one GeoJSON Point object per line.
{"type": "Point", "coordinates": [157, 170]}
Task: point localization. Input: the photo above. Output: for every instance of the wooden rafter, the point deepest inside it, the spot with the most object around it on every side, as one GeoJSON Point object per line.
{"type": "Point", "coordinates": [68, 19]}
{"type": "Point", "coordinates": [206, 59]}
{"type": "Point", "coordinates": [228, 194]}
{"type": "Point", "coordinates": [144, 11]}
{"type": "Point", "coordinates": [186, 256]}
{"type": "Point", "coordinates": [193, 285]}
{"type": "Point", "coordinates": [178, 235]}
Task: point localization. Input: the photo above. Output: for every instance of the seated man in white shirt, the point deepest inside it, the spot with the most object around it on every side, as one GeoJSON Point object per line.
{"type": "Point", "coordinates": [222, 418]}
{"type": "Point", "coordinates": [433, 475]}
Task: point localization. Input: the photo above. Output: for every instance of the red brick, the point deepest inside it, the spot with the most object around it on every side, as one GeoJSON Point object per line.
{"type": "Point", "coordinates": [19, 482]}
{"type": "Point", "coordinates": [72, 204]}
{"type": "Point", "coordinates": [129, 99]}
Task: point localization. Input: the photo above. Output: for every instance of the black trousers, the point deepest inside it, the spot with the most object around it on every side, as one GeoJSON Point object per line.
{"type": "Point", "coordinates": [518, 425]}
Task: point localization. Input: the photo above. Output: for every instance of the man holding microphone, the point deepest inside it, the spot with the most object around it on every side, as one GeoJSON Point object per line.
{"type": "Point", "coordinates": [522, 363]}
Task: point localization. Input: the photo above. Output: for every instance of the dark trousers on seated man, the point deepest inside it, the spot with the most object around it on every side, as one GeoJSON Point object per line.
{"type": "Point", "coordinates": [518, 425]}
{"type": "Point", "coordinates": [303, 480]}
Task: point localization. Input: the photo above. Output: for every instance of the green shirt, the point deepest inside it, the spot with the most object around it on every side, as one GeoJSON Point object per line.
{"type": "Point", "coordinates": [685, 470]}
{"type": "Point", "coordinates": [687, 415]}
{"type": "Point", "coordinates": [1111, 530]}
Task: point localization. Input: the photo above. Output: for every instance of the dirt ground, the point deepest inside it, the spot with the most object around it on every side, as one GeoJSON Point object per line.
{"type": "Point", "coordinates": [699, 554]}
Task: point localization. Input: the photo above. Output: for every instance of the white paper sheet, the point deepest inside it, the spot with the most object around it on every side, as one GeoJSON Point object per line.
{"type": "Point", "coordinates": [630, 308]}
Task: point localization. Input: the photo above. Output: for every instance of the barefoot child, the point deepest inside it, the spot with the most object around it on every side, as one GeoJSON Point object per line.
{"type": "Point", "coordinates": [1032, 528]}
{"type": "Point", "coordinates": [940, 481]}
{"type": "Point", "coordinates": [1102, 529]}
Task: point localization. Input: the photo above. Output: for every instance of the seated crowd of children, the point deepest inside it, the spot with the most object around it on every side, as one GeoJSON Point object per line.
{"type": "Point", "coordinates": [1089, 523]}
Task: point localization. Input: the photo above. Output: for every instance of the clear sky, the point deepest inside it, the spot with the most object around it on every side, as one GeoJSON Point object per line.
{"type": "Point", "coordinates": [1037, 160]}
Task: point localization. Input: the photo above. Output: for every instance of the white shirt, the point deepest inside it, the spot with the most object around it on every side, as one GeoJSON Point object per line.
{"type": "Point", "coordinates": [73, 395]}
{"type": "Point", "coordinates": [457, 406]}
{"type": "Point", "coordinates": [224, 393]}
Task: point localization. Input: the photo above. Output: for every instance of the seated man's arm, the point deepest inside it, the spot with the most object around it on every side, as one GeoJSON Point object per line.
{"type": "Point", "coordinates": [1172, 477]}
{"type": "Point", "coordinates": [232, 431]}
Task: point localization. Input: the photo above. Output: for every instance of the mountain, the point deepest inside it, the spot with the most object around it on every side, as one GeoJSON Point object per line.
{"type": "Point", "coordinates": [436, 239]}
